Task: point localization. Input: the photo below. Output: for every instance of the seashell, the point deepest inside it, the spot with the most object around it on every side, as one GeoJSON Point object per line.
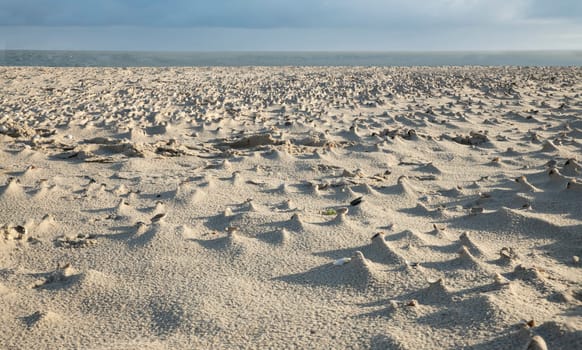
{"type": "Point", "coordinates": [508, 253]}
{"type": "Point", "coordinates": [140, 226]}
{"type": "Point", "coordinates": [476, 210]}
{"type": "Point", "coordinates": [377, 235]}
{"type": "Point", "coordinates": [356, 201]}
{"type": "Point", "coordinates": [342, 261]}
{"type": "Point", "coordinates": [158, 217]}
{"type": "Point", "coordinates": [227, 212]}
{"type": "Point", "coordinates": [20, 229]}
{"type": "Point", "coordinates": [232, 229]}
{"type": "Point", "coordinates": [537, 343]}
{"type": "Point", "coordinates": [412, 303]}
{"type": "Point", "coordinates": [342, 211]}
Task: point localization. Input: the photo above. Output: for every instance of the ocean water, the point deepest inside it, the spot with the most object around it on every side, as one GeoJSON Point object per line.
{"type": "Point", "coordinates": [184, 59]}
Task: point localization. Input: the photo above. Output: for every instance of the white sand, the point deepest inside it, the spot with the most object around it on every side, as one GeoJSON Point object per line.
{"type": "Point", "coordinates": [202, 208]}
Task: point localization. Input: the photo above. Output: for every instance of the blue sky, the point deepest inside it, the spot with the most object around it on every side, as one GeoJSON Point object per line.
{"type": "Point", "coordinates": [370, 25]}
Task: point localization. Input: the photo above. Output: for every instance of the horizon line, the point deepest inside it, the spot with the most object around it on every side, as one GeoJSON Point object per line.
{"type": "Point", "coordinates": [311, 51]}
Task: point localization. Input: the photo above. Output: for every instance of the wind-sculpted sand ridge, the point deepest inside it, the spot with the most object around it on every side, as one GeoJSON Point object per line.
{"type": "Point", "coordinates": [383, 208]}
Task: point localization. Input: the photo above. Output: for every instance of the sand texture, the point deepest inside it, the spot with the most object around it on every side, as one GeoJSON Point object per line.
{"type": "Point", "coordinates": [331, 208]}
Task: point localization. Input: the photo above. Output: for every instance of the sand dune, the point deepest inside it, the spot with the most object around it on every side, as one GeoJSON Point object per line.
{"type": "Point", "coordinates": [383, 208]}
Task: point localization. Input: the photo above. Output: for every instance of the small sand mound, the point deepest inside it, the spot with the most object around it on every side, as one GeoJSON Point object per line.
{"type": "Point", "coordinates": [188, 195]}
{"type": "Point", "coordinates": [549, 147]}
{"type": "Point", "coordinates": [12, 191]}
{"type": "Point", "coordinates": [357, 272]}
{"type": "Point", "coordinates": [62, 277]}
{"type": "Point", "coordinates": [466, 260]}
{"type": "Point", "coordinates": [467, 242]}
{"type": "Point", "coordinates": [524, 185]}
{"type": "Point", "coordinates": [436, 293]}
{"type": "Point", "coordinates": [43, 319]}
{"type": "Point", "coordinates": [379, 251]}
{"type": "Point", "coordinates": [278, 237]}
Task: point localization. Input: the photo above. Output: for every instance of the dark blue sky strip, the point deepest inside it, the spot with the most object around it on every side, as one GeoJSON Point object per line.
{"type": "Point", "coordinates": [279, 13]}
{"type": "Point", "coordinates": [378, 25]}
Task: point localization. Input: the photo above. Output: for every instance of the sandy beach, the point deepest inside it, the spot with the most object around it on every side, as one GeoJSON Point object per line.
{"type": "Point", "coordinates": [280, 208]}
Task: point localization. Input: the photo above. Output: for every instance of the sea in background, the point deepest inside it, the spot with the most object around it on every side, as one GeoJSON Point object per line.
{"type": "Point", "coordinates": [185, 59]}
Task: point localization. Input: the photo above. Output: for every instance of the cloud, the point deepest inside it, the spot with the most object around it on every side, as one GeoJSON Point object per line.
{"type": "Point", "coordinates": [278, 13]}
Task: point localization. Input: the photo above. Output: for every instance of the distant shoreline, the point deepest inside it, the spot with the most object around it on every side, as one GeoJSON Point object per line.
{"type": "Point", "coordinates": [60, 58]}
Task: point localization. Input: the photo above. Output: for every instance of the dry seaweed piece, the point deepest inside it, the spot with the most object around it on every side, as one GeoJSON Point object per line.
{"type": "Point", "coordinates": [254, 141]}
{"type": "Point", "coordinates": [79, 241]}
